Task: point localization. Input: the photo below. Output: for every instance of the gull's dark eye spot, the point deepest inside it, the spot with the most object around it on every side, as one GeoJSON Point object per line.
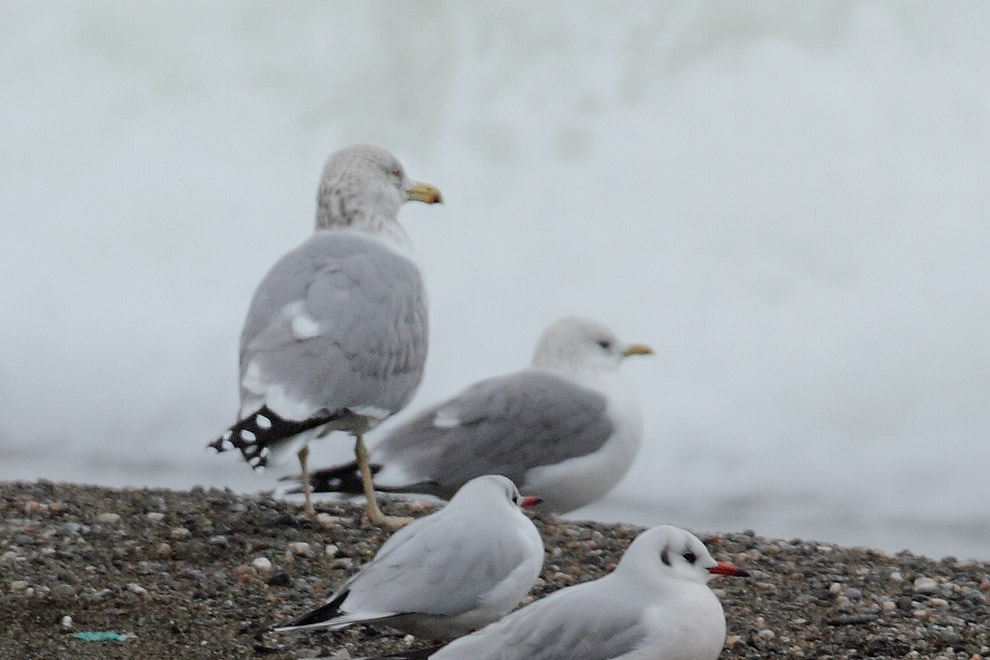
{"type": "Point", "coordinates": [689, 557]}
{"type": "Point", "coordinates": [397, 173]}
{"type": "Point", "coordinates": [604, 343]}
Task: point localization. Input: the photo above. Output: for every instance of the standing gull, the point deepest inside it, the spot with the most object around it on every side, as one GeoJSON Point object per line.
{"type": "Point", "coordinates": [446, 574]}
{"type": "Point", "coordinates": [336, 335]}
{"type": "Point", "coordinates": [656, 605]}
{"type": "Point", "coordinates": [566, 429]}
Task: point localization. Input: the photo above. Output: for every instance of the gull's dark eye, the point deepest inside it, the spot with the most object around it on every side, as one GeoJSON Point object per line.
{"type": "Point", "coordinates": [689, 557]}
{"type": "Point", "coordinates": [397, 173]}
{"type": "Point", "coordinates": [604, 343]}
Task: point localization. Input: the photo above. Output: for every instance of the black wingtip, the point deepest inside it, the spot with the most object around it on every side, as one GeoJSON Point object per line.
{"type": "Point", "coordinates": [254, 435]}
{"type": "Point", "coordinates": [315, 617]}
{"type": "Point", "coordinates": [345, 479]}
{"type": "Point", "coordinates": [418, 654]}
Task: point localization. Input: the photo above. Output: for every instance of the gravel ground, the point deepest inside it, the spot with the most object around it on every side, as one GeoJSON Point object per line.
{"type": "Point", "coordinates": [196, 574]}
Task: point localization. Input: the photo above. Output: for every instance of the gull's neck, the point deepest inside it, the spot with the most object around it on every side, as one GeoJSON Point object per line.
{"type": "Point", "coordinates": [374, 225]}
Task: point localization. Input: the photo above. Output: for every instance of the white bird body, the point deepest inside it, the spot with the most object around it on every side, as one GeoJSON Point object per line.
{"type": "Point", "coordinates": [446, 574]}
{"type": "Point", "coordinates": [656, 605]}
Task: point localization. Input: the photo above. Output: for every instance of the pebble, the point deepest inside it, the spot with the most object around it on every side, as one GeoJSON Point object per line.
{"type": "Point", "coordinates": [66, 622]}
{"type": "Point", "coordinates": [326, 520]}
{"type": "Point", "coordinates": [137, 588]}
{"type": "Point", "coordinates": [180, 533]}
{"type": "Point", "coordinates": [63, 590]}
{"type": "Point", "coordinates": [109, 517]}
{"type": "Point", "coordinates": [262, 564]}
{"type": "Point", "coordinates": [155, 516]}
{"type": "Point", "coordinates": [924, 585]}
{"type": "Point", "coordinates": [299, 548]}
{"type": "Point", "coordinates": [345, 563]}
{"type": "Point", "coordinates": [19, 585]}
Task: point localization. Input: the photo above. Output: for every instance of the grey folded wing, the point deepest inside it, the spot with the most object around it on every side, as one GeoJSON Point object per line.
{"type": "Point", "coordinates": [339, 322]}
{"type": "Point", "coordinates": [443, 566]}
{"type": "Point", "coordinates": [574, 623]}
{"type": "Point", "coordinates": [505, 425]}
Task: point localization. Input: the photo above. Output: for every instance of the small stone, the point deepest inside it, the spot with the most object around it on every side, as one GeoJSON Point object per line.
{"type": "Point", "coordinates": [155, 516]}
{"type": "Point", "coordinates": [330, 550]}
{"type": "Point", "coordinates": [244, 572]}
{"type": "Point", "coordinates": [164, 550]}
{"type": "Point", "coordinates": [63, 590]}
{"type": "Point", "coordinates": [279, 579]}
{"type": "Point", "coordinates": [109, 517]}
{"type": "Point", "coordinates": [924, 585]}
{"type": "Point", "coordinates": [137, 588]}
{"type": "Point", "coordinates": [950, 636]}
{"type": "Point", "coordinates": [19, 585]}
{"type": "Point", "coordinates": [219, 540]}
{"type": "Point", "coordinates": [66, 622]}
{"type": "Point", "coordinates": [766, 633]}
{"type": "Point", "coordinates": [180, 533]}
{"type": "Point", "coordinates": [345, 563]}
{"type": "Point", "coordinates": [262, 564]}
{"type": "Point", "coordinates": [938, 602]}
{"type": "Point", "coordinates": [326, 520]}
{"type": "Point", "coordinates": [299, 548]}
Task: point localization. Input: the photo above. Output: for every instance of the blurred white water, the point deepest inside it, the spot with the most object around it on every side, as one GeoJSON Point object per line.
{"type": "Point", "coordinates": [789, 202]}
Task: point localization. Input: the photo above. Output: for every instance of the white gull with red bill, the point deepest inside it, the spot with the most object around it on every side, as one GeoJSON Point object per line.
{"type": "Point", "coordinates": [447, 573]}
{"type": "Point", "coordinates": [656, 605]}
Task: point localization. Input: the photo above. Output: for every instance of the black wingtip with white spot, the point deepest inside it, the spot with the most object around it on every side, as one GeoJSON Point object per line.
{"type": "Point", "coordinates": [254, 435]}
{"type": "Point", "coordinates": [344, 478]}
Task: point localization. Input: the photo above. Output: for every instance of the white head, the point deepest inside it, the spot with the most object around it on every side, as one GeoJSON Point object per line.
{"type": "Point", "coordinates": [672, 553]}
{"type": "Point", "coordinates": [363, 187]}
{"type": "Point", "coordinates": [574, 342]}
{"type": "Point", "coordinates": [493, 488]}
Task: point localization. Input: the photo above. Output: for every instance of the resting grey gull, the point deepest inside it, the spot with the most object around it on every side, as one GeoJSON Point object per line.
{"type": "Point", "coordinates": [336, 335]}
{"type": "Point", "coordinates": [445, 574]}
{"type": "Point", "coordinates": [565, 429]}
{"type": "Point", "coordinates": [655, 605]}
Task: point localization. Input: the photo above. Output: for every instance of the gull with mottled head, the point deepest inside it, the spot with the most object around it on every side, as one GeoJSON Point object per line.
{"type": "Point", "coordinates": [336, 334]}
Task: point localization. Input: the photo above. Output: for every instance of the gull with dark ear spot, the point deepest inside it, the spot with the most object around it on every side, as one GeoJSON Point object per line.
{"type": "Point", "coordinates": [566, 429]}
{"type": "Point", "coordinates": [655, 605]}
{"type": "Point", "coordinates": [336, 335]}
{"type": "Point", "coordinates": [446, 574]}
